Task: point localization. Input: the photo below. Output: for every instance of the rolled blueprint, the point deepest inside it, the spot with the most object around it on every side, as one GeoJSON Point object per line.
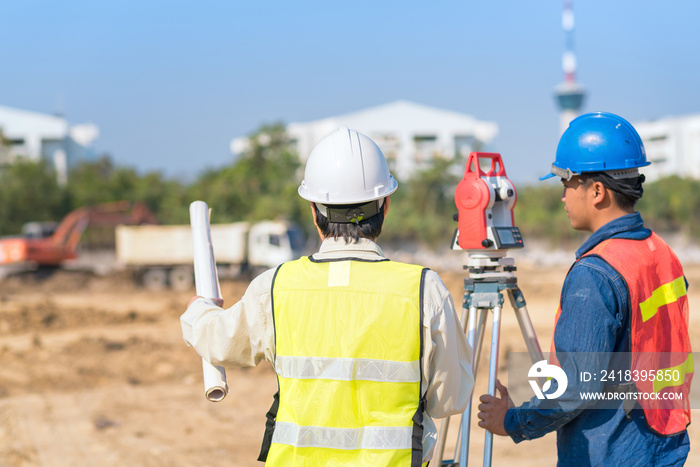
{"type": "Point", "coordinates": [207, 285]}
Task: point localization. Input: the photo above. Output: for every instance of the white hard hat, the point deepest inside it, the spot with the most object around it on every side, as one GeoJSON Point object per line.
{"type": "Point", "coordinates": [346, 167]}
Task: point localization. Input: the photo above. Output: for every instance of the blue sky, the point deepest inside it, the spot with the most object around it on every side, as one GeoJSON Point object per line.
{"type": "Point", "coordinates": [170, 83]}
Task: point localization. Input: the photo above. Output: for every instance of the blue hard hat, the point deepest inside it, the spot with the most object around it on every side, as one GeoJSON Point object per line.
{"type": "Point", "coordinates": [599, 142]}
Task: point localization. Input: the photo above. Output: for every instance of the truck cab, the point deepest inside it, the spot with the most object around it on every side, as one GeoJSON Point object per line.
{"type": "Point", "coordinates": [272, 243]}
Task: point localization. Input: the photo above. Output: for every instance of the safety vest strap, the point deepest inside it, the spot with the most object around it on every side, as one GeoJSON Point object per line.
{"type": "Point", "coordinates": [417, 436]}
{"type": "Point", "coordinates": [271, 416]}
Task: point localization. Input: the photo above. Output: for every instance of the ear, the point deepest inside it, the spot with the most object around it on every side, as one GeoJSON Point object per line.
{"type": "Point", "coordinates": [599, 193]}
{"type": "Point", "coordinates": [313, 211]}
{"type": "Point", "coordinates": [387, 202]}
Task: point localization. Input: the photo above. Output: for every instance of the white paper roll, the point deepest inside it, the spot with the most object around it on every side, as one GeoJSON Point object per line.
{"type": "Point", "coordinates": [207, 285]}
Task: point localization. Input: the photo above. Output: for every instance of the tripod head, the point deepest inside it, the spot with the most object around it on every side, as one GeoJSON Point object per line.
{"type": "Point", "coordinates": [485, 202]}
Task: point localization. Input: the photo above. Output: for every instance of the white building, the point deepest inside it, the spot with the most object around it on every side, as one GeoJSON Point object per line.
{"type": "Point", "coordinates": [42, 136]}
{"type": "Point", "coordinates": [409, 134]}
{"type": "Point", "coordinates": [672, 145]}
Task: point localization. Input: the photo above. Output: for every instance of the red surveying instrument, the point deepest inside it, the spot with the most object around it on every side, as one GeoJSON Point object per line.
{"type": "Point", "coordinates": [485, 232]}
{"type": "Point", "coordinates": [485, 201]}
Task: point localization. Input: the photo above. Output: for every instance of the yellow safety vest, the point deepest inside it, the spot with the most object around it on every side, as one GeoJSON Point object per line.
{"type": "Point", "coordinates": [348, 359]}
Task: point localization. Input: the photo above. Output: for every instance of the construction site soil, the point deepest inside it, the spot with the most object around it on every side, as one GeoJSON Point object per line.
{"type": "Point", "coordinates": [94, 372]}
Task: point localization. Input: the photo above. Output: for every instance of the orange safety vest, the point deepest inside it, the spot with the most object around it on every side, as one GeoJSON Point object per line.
{"type": "Point", "coordinates": [659, 337]}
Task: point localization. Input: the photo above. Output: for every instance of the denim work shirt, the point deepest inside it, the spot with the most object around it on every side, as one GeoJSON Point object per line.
{"type": "Point", "coordinates": [595, 319]}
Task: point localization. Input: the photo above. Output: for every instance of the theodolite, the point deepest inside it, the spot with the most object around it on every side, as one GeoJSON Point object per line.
{"type": "Point", "coordinates": [486, 231]}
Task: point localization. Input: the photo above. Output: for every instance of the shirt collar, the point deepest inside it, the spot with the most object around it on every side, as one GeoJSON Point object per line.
{"type": "Point", "coordinates": [338, 247]}
{"type": "Point", "coordinates": [628, 226]}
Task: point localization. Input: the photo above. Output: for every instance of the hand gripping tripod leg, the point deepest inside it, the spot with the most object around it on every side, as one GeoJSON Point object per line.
{"type": "Point", "coordinates": [489, 276]}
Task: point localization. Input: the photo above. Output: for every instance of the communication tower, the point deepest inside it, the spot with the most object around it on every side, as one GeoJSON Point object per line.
{"type": "Point", "coordinates": [569, 93]}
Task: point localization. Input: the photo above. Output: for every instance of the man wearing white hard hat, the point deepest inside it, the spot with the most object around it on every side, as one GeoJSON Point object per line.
{"type": "Point", "coordinates": [367, 350]}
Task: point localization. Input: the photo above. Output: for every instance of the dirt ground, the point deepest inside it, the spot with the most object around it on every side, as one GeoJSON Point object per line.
{"type": "Point", "coordinates": [94, 372]}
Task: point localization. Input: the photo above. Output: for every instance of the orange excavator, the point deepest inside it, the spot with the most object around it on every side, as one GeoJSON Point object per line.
{"type": "Point", "coordinates": [53, 247]}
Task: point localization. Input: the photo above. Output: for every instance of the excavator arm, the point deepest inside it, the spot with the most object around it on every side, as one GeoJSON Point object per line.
{"type": "Point", "coordinates": [62, 244]}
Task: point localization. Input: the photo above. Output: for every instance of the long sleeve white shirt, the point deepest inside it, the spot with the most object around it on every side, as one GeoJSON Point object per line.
{"type": "Point", "coordinates": [243, 335]}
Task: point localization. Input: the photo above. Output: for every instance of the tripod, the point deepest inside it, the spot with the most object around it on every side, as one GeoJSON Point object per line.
{"type": "Point", "coordinates": [490, 273]}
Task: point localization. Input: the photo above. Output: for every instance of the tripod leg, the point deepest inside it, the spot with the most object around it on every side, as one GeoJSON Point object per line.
{"type": "Point", "coordinates": [493, 371]}
{"type": "Point", "coordinates": [483, 313]}
{"type": "Point", "coordinates": [528, 330]}
{"type": "Point", "coordinates": [475, 337]}
{"type": "Point", "coordinates": [462, 450]}
{"type": "Point", "coordinates": [445, 424]}
{"type": "Point", "coordinates": [442, 439]}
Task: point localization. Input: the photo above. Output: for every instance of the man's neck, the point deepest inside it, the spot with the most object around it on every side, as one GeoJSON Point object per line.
{"type": "Point", "coordinates": [606, 216]}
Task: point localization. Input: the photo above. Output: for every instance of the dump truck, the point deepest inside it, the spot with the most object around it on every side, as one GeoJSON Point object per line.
{"type": "Point", "coordinates": [56, 244]}
{"type": "Point", "coordinates": [162, 256]}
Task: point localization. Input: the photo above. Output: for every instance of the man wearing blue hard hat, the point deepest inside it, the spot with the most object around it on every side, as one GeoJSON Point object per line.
{"type": "Point", "coordinates": [621, 328]}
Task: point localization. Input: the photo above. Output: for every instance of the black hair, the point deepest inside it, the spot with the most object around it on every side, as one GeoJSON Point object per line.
{"type": "Point", "coordinates": [625, 191]}
{"type": "Point", "coordinates": [351, 232]}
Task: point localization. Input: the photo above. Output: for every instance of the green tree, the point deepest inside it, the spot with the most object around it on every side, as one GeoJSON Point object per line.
{"type": "Point", "coordinates": [539, 213]}
{"type": "Point", "coordinates": [86, 182]}
{"type": "Point", "coordinates": [672, 204]}
{"type": "Point", "coordinates": [260, 184]}
{"type": "Point", "coordinates": [28, 192]}
{"type": "Point", "coordinates": [423, 207]}
{"type": "Point", "coordinates": [101, 181]}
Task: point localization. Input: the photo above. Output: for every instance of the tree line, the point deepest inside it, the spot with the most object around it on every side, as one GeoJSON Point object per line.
{"type": "Point", "coordinates": [262, 184]}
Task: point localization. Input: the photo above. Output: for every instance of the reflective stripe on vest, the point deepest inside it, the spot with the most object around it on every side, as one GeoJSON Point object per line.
{"type": "Point", "coordinates": [659, 338]}
{"type": "Point", "coordinates": [348, 360]}
{"type": "Point", "coordinates": [682, 370]}
{"type": "Point", "coordinates": [664, 295]}
{"type": "Point", "coordinates": [347, 369]}
{"type": "Point", "coordinates": [368, 437]}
